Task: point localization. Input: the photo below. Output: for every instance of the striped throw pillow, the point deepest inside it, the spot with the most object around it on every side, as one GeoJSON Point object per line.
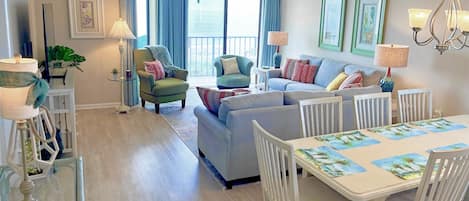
{"type": "Point", "coordinates": [352, 81]}
{"type": "Point", "coordinates": [289, 67]}
{"type": "Point", "coordinates": [155, 68]}
{"type": "Point", "coordinates": [211, 98]}
{"type": "Point", "coordinates": [304, 73]}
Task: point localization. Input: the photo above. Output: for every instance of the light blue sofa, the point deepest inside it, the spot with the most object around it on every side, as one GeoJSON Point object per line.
{"type": "Point", "coordinates": [328, 70]}
{"type": "Point", "coordinates": [227, 140]}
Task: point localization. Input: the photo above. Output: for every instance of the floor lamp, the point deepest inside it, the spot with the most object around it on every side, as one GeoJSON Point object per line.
{"type": "Point", "coordinates": [120, 30]}
{"type": "Point", "coordinates": [21, 94]}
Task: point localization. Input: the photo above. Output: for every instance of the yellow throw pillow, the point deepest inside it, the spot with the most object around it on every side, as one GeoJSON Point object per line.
{"type": "Point", "coordinates": [335, 84]}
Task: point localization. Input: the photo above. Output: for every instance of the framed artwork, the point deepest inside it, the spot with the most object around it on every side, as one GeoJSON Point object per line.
{"type": "Point", "coordinates": [368, 26]}
{"type": "Point", "coordinates": [86, 18]}
{"type": "Point", "coordinates": [331, 33]}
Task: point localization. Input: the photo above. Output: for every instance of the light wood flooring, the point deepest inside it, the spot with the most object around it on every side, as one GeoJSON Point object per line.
{"type": "Point", "coordinates": [139, 157]}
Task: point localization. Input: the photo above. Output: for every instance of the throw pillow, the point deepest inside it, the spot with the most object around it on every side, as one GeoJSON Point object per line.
{"type": "Point", "coordinates": [352, 81]}
{"type": "Point", "coordinates": [211, 98]}
{"type": "Point", "coordinates": [155, 68]}
{"type": "Point", "coordinates": [304, 73]}
{"type": "Point", "coordinates": [230, 66]}
{"type": "Point", "coordinates": [335, 84]}
{"type": "Point", "coordinates": [289, 67]}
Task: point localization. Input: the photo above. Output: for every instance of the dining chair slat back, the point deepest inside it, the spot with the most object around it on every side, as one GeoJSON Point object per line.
{"type": "Point", "coordinates": [446, 176]}
{"type": "Point", "coordinates": [275, 158]}
{"type": "Point", "coordinates": [415, 104]}
{"type": "Point", "coordinates": [373, 110]}
{"type": "Point", "coordinates": [321, 116]}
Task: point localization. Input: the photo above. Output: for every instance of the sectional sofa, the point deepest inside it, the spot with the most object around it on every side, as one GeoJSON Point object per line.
{"type": "Point", "coordinates": [227, 140]}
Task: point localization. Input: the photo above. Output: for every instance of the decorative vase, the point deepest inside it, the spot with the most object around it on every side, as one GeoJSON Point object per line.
{"type": "Point", "coordinates": [115, 76]}
{"type": "Point", "coordinates": [277, 59]}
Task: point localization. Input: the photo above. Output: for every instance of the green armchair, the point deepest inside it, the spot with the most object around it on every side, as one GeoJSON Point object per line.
{"type": "Point", "coordinates": [172, 88]}
{"type": "Point", "coordinates": [231, 81]}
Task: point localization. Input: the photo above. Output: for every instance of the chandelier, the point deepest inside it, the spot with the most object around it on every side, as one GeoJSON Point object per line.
{"type": "Point", "coordinates": [452, 33]}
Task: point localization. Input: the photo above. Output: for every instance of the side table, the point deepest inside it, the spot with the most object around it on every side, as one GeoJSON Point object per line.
{"type": "Point", "coordinates": [66, 183]}
{"type": "Point", "coordinates": [263, 73]}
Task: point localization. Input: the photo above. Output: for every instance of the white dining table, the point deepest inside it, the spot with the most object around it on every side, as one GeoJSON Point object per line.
{"type": "Point", "coordinates": [377, 183]}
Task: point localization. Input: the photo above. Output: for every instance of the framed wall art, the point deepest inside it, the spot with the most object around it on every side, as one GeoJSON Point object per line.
{"type": "Point", "coordinates": [368, 26]}
{"type": "Point", "coordinates": [86, 18]}
{"type": "Point", "coordinates": [331, 33]}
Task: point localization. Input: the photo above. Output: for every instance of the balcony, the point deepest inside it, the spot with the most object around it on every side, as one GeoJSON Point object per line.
{"type": "Point", "coordinates": [202, 50]}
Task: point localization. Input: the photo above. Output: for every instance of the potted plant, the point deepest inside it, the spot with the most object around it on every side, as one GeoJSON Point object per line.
{"type": "Point", "coordinates": [60, 59]}
{"type": "Point", "coordinates": [115, 73]}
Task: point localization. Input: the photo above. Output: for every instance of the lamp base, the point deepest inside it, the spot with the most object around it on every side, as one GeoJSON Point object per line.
{"type": "Point", "coordinates": [386, 84]}
{"type": "Point", "coordinates": [123, 109]}
{"type": "Point", "coordinates": [277, 59]}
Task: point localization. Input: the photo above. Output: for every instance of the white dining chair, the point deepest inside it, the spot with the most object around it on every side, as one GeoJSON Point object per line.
{"type": "Point", "coordinates": [446, 176]}
{"type": "Point", "coordinates": [321, 116]}
{"type": "Point", "coordinates": [415, 104]}
{"type": "Point", "coordinates": [373, 110]}
{"type": "Point", "coordinates": [277, 167]}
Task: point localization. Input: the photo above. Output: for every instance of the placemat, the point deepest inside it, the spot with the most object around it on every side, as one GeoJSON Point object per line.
{"type": "Point", "coordinates": [449, 147]}
{"type": "Point", "coordinates": [439, 125]}
{"type": "Point", "coordinates": [398, 132]}
{"type": "Point", "coordinates": [347, 140]}
{"type": "Point", "coordinates": [408, 166]}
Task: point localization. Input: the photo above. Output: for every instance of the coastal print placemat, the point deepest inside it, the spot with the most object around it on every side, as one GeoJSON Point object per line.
{"type": "Point", "coordinates": [408, 166]}
{"type": "Point", "coordinates": [330, 162]}
{"type": "Point", "coordinates": [439, 125]}
{"type": "Point", "coordinates": [398, 132]}
{"type": "Point", "coordinates": [347, 140]}
{"type": "Point", "coordinates": [451, 147]}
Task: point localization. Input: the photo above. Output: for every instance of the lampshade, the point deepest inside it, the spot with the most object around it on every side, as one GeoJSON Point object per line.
{"type": "Point", "coordinates": [13, 100]}
{"type": "Point", "coordinates": [120, 30]}
{"type": "Point", "coordinates": [278, 38]}
{"type": "Point", "coordinates": [418, 17]}
{"type": "Point", "coordinates": [388, 55]}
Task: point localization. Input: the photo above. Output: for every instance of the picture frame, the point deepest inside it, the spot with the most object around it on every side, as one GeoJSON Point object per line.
{"type": "Point", "coordinates": [332, 26]}
{"type": "Point", "coordinates": [86, 19]}
{"type": "Point", "coordinates": [368, 26]}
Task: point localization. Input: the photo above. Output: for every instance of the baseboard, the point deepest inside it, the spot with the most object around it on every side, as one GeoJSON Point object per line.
{"type": "Point", "coordinates": [97, 106]}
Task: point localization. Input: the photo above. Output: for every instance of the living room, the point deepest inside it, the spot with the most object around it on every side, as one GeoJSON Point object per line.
{"type": "Point", "coordinates": [224, 99]}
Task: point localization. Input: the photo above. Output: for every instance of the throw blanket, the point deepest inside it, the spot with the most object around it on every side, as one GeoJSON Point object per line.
{"type": "Point", "coordinates": [161, 54]}
{"type": "Point", "coordinates": [37, 93]}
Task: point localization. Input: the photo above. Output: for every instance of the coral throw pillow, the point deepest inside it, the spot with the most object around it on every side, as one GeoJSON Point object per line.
{"type": "Point", "coordinates": [211, 98]}
{"type": "Point", "coordinates": [155, 68]}
{"type": "Point", "coordinates": [289, 68]}
{"type": "Point", "coordinates": [335, 84]}
{"type": "Point", "coordinates": [230, 66]}
{"type": "Point", "coordinates": [304, 73]}
{"type": "Point", "coordinates": [353, 81]}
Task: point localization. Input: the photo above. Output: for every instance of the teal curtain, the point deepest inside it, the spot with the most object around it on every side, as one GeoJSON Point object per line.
{"type": "Point", "coordinates": [270, 21]}
{"type": "Point", "coordinates": [172, 20]}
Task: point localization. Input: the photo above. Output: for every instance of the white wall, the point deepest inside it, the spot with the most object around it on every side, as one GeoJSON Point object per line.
{"type": "Point", "coordinates": [446, 75]}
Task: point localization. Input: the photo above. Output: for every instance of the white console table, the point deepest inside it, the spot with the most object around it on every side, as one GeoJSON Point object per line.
{"type": "Point", "coordinates": [61, 103]}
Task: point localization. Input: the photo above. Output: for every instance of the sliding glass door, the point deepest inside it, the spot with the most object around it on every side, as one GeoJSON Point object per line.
{"type": "Point", "coordinates": [218, 27]}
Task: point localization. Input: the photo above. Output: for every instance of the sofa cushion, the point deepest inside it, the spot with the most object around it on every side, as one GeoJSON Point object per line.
{"type": "Point", "coordinates": [289, 67]}
{"type": "Point", "coordinates": [335, 84]}
{"type": "Point", "coordinates": [279, 84]}
{"type": "Point", "coordinates": [347, 94]}
{"type": "Point", "coordinates": [352, 81]}
{"type": "Point", "coordinates": [304, 73]}
{"type": "Point", "coordinates": [298, 86]}
{"type": "Point", "coordinates": [230, 66]}
{"type": "Point", "coordinates": [169, 86]}
{"type": "Point", "coordinates": [315, 61]}
{"type": "Point", "coordinates": [211, 98]}
{"type": "Point", "coordinates": [371, 76]}
{"type": "Point", "coordinates": [268, 99]}
{"type": "Point", "coordinates": [233, 80]}
{"type": "Point", "coordinates": [293, 97]}
{"type": "Point", "coordinates": [328, 71]}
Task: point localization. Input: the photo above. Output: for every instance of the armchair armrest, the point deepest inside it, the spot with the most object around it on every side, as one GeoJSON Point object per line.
{"type": "Point", "coordinates": [218, 66]}
{"type": "Point", "coordinates": [147, 82]}
{"type": "Point", "coordinates": [274, 73]}
{"type": "Point", "coordinates": [178, 73]}
{"type": "Point", "coordinates": [245, 65]}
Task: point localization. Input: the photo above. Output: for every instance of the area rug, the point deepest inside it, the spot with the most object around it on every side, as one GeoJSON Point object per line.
{"type": "Point", "coordinates": [183, 120]}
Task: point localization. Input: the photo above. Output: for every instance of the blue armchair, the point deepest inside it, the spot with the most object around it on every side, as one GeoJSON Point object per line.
{"type": "Point", "coordinates": [231, 81]}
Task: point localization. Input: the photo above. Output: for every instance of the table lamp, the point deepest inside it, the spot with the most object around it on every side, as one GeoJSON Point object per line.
{"type": "Point", "coordinates": [278, 39]}
{"type": "Point", "coordinates": [120, 30]}
{"type": "Point", "coordinates": [21, 94]}
{"type": "Point", "coordinates": [390, 56]}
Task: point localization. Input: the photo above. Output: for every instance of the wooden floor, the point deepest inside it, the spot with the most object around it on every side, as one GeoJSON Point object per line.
{"type": "Point", "coordinates": [138, 157]}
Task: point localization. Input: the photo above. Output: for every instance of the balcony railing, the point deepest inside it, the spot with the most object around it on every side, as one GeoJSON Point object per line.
{"type": "Point", "coordinates": [202, 50]}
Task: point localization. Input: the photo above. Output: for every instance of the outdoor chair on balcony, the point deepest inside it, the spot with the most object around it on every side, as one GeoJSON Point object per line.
{"type": "Point", "coordinates": [171, 88]}
{"type": "Point", "coordinates": [233, 80]}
